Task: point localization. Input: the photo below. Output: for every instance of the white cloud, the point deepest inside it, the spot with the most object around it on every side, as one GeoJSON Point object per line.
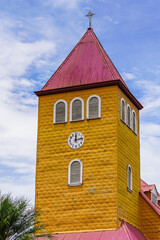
{"type": "Point", "coordinates": [16, 57]}
{"type": "Point", "coordinates": [128, 76]}
{"type": "Point", "coordinates": [19, 166]}
{"type": "Point", "coordinates": [23, 186]}
{"type": "Point", "coordinates": [110, 19]}
{"type": "Point", "coordinates": [26, 82]}
{"type": "Point", "coordinates": [150, 152]}
{"type": "Point", "coordinates": [150, 98]}
{"type": "Point", "coordinates": [68, 4]}
{"type": "Point", "coordinates": [18, 107]}
{"type": "Point", "coordinates": [150, 129]}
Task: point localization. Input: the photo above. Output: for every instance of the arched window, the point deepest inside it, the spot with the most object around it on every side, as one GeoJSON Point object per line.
{"type": "Point", "coordinates": [75, 170]}
{"type": "Point", "coordinates": [77, 109]}
{"type": "Point", "coordinates": [93, 107]}
{"type": "Point", "coordinates": [134, 123]}
{"type": "Point", "coordinates": [123, 112]}
{"type": "Point", "coordinates": [60, 112]}
{"type": "Point", "coordinates": [129, 178]}
{"type": "Point", "coordinates": [128, 116]}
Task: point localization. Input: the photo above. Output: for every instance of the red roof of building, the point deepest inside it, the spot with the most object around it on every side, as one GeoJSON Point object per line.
{"type": "Point", "coordinates": [87, 63]}
{"type": "Point", "coordinates": [125, 232]}
{"type": "Point", "coordinates": [155, 207]}
{"type": "Point", "coordinates": [146, 188]}
{"type": "Point", "coordinates": [87, 66]}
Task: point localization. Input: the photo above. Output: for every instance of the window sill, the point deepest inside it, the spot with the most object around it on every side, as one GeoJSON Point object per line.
{"type": "Point", "coordinates": [123, 121]}
{"type": "Point", "coordinates": [93, 118]}
{"type": "Point", "coordinates": [129, 190]}
{"type": "Point", "coordinates": [79, 120]}
{"type": "Point", "coordinates": [74, 184]}
{"type": "Point", "coordinates": [129, 127]}
{"type": "Point", "coordinates": [134, 132]}
{"type": "Point", "coordinates": [59, 123]}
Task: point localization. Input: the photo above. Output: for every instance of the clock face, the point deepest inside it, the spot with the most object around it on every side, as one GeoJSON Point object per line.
{"type": "Point", "coordinates": [76, 140]}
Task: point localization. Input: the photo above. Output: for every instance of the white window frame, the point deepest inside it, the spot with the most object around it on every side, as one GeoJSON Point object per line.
{"type": "Point", "coordinates": [127, 115]}
{"type": "Point", "coordinates": [81, 173]}
{"type": "Point", "coordinates": [77, 98]}
{"type": "Point", "coordinates": [99, 107]}
{"type": "Point", "coordinates": [54, 114]}
{"type": "Point", "coordinates": [122, 100]}
{"type": "Point", "coordinates": [129, 178]}
{"type": "Point", "coordinates": [133, 111]}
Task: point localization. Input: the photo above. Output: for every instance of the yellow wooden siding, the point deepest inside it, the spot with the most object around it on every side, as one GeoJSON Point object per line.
{"type": "Point", "coordinates": [93, 205]}
{"type": "Point", "coordinates": [128, 153]}
{"type": "Point", "coordinates": [150, 221]}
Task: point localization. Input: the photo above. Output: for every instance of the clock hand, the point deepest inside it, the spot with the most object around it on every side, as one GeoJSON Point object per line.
{"type": "Point", "coordinates": [75, 137]}
{"type": "Point", "coordinates": [79, 138]}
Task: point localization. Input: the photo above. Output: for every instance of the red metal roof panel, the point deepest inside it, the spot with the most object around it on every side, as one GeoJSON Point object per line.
{"type": "Point", "coordinates": [133, 232]}
{"type": "Point", "coordinates": [91, 236]}
{"type": "Point", "coordinates": [118, 234]}
{"type": "Point", "coordinates": [73, 236]}
{"type": "Point", "coordinates": [125, 232]}
{"type": "Point", "coordinates": [86, 64]}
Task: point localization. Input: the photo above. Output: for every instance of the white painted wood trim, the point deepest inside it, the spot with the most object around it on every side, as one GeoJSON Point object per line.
{"type": "Point", "coordinates": [54, 112]}
{"type": "Point", "coordinates": [81, 173]}
{"type": "Point", "coordinates": [77, 98]}
{"type": "Point", "coordinates": [129, 178]}
{"type": "Point", "coordinates": [127, 116]}
{"type": "Point", "coordinates": [133, 111]}
{"type": "Point", "coordinates": [99, 106]}
{"type": "Point", "coordinates": [122, 100]}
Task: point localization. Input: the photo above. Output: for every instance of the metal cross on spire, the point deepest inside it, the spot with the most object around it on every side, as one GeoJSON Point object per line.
{"type": "Point", "coordinates": [89, 15]}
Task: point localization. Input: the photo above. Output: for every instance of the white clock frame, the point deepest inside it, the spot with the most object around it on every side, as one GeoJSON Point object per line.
{"type": "Point", "coordinates": [72, 144]}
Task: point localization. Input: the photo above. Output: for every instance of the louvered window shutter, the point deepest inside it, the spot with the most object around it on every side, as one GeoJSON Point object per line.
{"type": "Point", "coordinates": [154, 198]}
{"type": "Point", "coordinates": [128, 116]}
{"type": "Point", "coordinates": [93, 107]}
{"type": "Point", "coordinates": [134, 122]}
{"type": "Point", "coordinates": [123, 111]}
{"type": "Point", "coordinates": [129, 178]}
{"type": "Point", "coordinates": [75, 172]}
{"type": "Point", "coordinates": [60, 112]}
{"type": "Point", "coordinates": [76, 110]}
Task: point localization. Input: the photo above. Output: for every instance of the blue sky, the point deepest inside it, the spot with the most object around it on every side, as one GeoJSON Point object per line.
{"type": "Point", "coordinates": [36, 36]}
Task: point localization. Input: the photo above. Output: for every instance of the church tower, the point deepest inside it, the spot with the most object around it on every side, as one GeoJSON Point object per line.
{"type": "Point", "coordinates": [88, 157]}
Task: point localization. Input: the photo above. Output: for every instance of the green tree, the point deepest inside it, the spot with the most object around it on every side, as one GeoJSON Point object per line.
{"type": "Point", "coordinates": [18, 221]}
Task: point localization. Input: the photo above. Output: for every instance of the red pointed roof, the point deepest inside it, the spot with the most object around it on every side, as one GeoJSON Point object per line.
{"type": "Point", "coordinates": [87, 66]}
{"type": "Point", "coordinates": [125, 232]}
{"type": "Point", "coordinates": [87, 63]}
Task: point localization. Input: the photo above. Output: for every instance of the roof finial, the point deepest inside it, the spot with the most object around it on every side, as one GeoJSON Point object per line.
{"type": "Point", "coordinates": [89, 15]}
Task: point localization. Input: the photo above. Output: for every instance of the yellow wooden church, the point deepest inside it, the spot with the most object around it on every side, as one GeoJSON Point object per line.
{"type": "Point", "coordinates": [88, 182]}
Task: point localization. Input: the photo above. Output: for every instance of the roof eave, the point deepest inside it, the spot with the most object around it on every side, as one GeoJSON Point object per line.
{"type": "Point", "coordinates": [117, 82]}
{"type": "Point", "coordinates": [153, 206]}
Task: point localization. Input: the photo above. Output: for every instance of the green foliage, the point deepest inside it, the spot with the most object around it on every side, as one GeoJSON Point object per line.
{"type": "Point", "coordinates": [18, 221]}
